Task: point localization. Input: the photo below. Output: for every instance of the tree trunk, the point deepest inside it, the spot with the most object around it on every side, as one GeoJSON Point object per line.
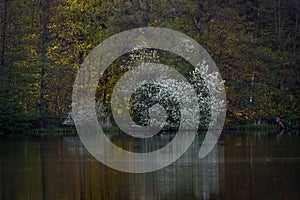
{"type": "Point", "coordinates": [44, 9]}
{"type": "Point", "coordinates": [3, 39]}
{"type": "Point", "coordinates": [278, 31]}
{"type": "Point", "coordinates": [296, 28]}
{"type": "Point", "coordinates": [148, 10]}
{"type": "Point", "coordinates": [105, 82]}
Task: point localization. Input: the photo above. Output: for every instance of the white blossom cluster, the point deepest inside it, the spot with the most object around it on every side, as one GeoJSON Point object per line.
{"type": "Point", "coordinates": [138, 56]}
{"type": "Point", "coordinates": [215, 85]}
{"type": "Point", "coordinates": [100, 113]}
{"type": "Point", "coordinates": [207, 86]}
{"type": "Point", "coordinates": [173, 102]}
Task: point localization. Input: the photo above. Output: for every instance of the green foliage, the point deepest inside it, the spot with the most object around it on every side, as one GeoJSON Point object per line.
{"type": "Point", "coordinates": [254, 43]}
{"type": "Point", "coordinates": [14, 119]}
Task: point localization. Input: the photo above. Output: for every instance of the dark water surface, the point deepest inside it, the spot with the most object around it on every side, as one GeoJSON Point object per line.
{"type": "Point", "coordinates": [239, 167]}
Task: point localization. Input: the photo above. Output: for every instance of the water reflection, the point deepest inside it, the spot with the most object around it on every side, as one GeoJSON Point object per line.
{"type": "Point", "coordinates": [239, 167]}
{"type": "Point", "coordinates": [188, 178]}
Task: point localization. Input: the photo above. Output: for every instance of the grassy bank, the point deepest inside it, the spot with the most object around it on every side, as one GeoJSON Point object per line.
{"type": "Point", "coordinates": [53, 131]}
{"type": "Point", "coordinates": [69, 131]}
{"type": "Point", "coordinates": [252, 128]}
{"type": "Point", "coordinates": [242, 129]}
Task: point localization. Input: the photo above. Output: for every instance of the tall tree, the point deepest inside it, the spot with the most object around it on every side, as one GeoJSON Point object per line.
{"type": "Point", "coordinates": [44, 40]}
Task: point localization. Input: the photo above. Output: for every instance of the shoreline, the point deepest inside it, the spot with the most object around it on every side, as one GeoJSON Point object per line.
{"type": "Point", "coordinates": [241, 128]}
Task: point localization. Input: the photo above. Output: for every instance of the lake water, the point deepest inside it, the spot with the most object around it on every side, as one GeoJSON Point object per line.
{"type": "Point", "coordinates": [241, 166]}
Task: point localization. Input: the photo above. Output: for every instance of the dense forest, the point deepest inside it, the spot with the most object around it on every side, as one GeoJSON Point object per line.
{"type": "Point", "coordinates": [255, 44]}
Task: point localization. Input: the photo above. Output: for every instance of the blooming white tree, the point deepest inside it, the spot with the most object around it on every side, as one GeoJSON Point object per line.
{"type": "Point", "coordinates": [147, 95]}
